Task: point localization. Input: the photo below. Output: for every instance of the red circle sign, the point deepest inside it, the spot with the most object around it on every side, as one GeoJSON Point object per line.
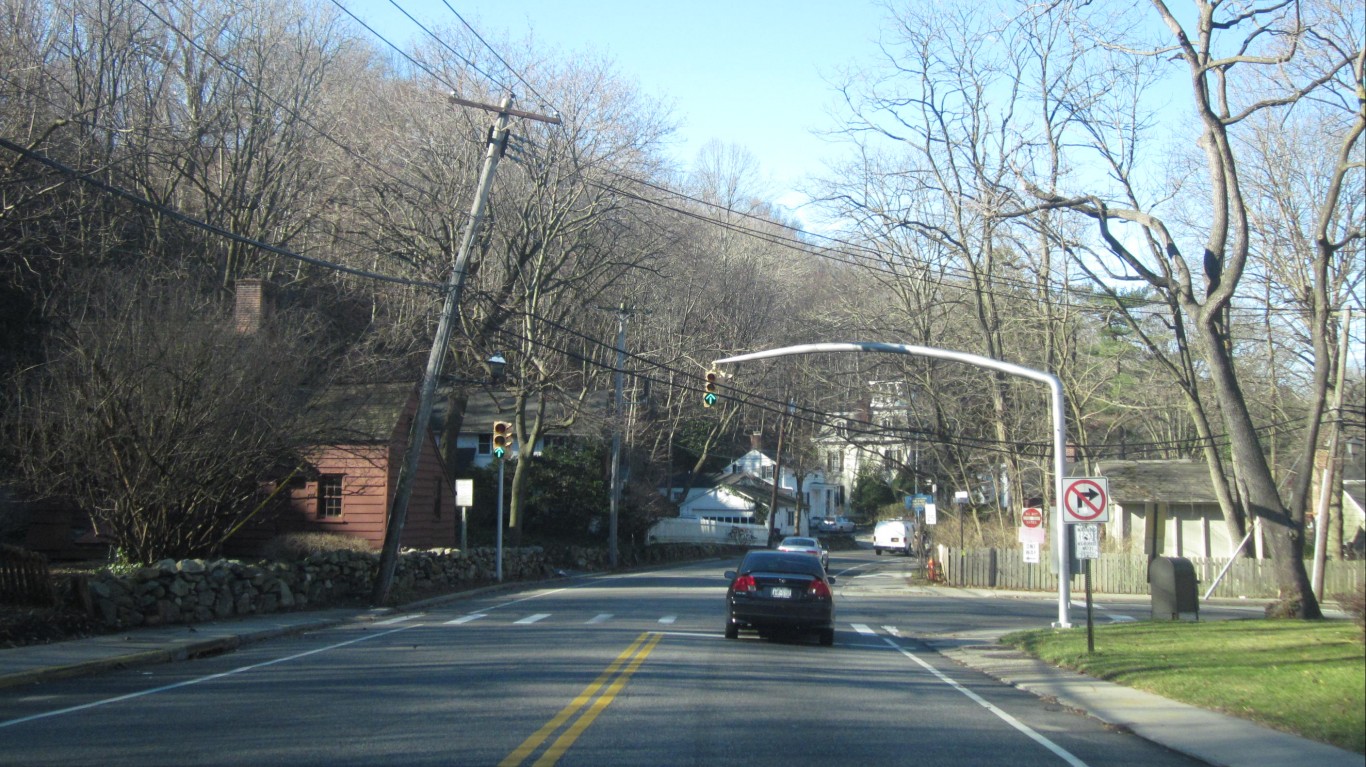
{"type": "Point", "coordinates": [1032, 517]}
{"type": "Point", "coordinates": [1085, 500]}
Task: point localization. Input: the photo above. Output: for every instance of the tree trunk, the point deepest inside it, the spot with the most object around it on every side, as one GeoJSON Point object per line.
{"type": "Point", "coordinates": [1285, 536]}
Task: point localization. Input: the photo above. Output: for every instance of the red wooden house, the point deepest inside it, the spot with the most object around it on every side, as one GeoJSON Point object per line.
{"type": "Point", "coordinates": [348, 487]}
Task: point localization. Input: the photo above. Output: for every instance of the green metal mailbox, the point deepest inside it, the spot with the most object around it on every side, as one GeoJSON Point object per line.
{"type": "Point", "coordinates": [1173, 585]}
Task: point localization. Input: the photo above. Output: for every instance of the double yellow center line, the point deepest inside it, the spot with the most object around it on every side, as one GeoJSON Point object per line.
{"type": "Point", "coordinates": [600, 694]}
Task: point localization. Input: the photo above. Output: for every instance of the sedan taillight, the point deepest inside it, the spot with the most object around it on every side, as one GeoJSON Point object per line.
{"type": "Point", "coordinates": [819, 589]}
{"type": "Point", "coordinates": [744, 583]}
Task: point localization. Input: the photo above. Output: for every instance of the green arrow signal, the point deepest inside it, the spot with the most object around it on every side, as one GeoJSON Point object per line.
{"type": "Point", "coordinates": [499, 452]}
{"type": "Point", "coordinates": [708, 399]}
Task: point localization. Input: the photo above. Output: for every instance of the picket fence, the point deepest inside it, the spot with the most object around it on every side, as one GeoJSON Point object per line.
{"type": "Point", "coordinates": [1128, 574]}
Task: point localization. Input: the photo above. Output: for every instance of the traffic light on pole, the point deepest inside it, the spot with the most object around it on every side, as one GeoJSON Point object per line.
{"type": "Point", "coordinates": [709, 396]}
{"type": "Point", "coordinates": [502, 438]}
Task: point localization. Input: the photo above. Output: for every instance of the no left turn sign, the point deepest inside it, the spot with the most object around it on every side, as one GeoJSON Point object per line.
{"type": "Point", "coordinates": [1086, 499]}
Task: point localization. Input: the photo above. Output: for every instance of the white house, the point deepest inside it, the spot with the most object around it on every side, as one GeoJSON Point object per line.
{"type": "Point", "coordinates": [818, 497]}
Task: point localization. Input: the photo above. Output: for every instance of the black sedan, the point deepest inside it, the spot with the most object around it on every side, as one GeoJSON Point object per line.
{"type": "Point", "coordinates": [777, 591]}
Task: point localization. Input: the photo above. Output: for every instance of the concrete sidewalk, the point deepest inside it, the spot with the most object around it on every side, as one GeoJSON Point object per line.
{"type": "Point", "coordinates": [1210, 737]}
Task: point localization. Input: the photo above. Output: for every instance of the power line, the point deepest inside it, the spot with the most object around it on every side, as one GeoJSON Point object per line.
{"type": "Point", "coordinates": [872, 259]}
{"type": "Point", "coordinates": [234, 71]}
{"type": "Point", "coordinates": [434, 75]}
{"type": "Point", "coordinates": [544, 102]}
{"type": "Point", "coordinates": [837, 421]}
{"type": "Point", "coordinates": [183, 218]}
{"type": "Point", "coordinates": [445, 45]}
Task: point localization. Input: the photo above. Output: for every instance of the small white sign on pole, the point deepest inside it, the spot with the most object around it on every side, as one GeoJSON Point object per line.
{"type": "Point", "coordinates": [1033, 535]}
{"type": "Point", "coordinates": [1031, 553]}
{"type": "Point", "coordinates": [931, 514]}
{"type": "Point", "coordinates": [464, 492]}
{"type": "Point", "coordinates": [1087, 539]}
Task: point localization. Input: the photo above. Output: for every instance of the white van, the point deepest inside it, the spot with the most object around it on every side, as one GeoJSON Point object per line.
{"type": "Point", "coordinates": [894, 535]}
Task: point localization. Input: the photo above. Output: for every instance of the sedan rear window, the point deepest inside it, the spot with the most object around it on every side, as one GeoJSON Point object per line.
{"type": "Point", "coordinates": [781, 562]}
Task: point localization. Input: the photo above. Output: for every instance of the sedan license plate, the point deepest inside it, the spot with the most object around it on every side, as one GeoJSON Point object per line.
{"type": "Point", "coordinates": [780, 592]}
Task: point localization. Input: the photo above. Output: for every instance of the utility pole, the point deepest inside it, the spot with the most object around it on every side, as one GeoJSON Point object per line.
{"type": "Point", "coordinates": [617, 411]}
{"type": "Point", "coordinates": [777, 477]}
{"type": "Point", "coordinates": [398, 512]}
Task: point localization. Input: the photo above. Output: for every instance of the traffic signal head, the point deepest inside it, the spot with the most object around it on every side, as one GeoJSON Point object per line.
{"type": "Point", "coordinates": [709, 390]}
{"type": "Point", "coordinates": [502, 438]}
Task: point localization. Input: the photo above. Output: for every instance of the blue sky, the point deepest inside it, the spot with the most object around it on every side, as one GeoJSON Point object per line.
{"type": "Point", "coordinates": [747, 72]}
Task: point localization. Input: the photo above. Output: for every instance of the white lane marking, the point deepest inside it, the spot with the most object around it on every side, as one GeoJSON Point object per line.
{"type": "Point", "coordinates": [893, 630]}
{"type": "Point", "coordinates": [1121, 619]}
{"type": "Point", "coordinates": [531, 619]}
{"type": "Point", "coordinates": [466, 619]}
{"type": "Point", "coordinates": [399, 619]}
{"type": "Point", "coordinates": [210, 678]}
{"type": "Point", "coordinates": [668, 619]}
{"type": "Point", "coordinates": [600, 618]}
{"type": "Point", "coordinates": [1061, 752]}
{"type": "Point", "coordinates": [863, 628]}
{"type": "Point", "coordinates": [689, 634]}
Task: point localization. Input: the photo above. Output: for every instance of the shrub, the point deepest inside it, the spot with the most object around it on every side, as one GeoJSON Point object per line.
{"type": "Point", "coordinates": [1355, 604]}
{"type": "Point", "coordinates": [292, 547]}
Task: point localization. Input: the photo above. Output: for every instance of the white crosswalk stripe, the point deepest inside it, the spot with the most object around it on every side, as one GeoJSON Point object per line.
{"type": "Point", "coordinates": [466, 619]}
{"type": "Point", "coordinates": [864, 629]}
{"type": "Point", "coordinates": [668, 619]}
{"type": "Point", "coordinates": [532, 619]}
{"type": "Point", "coordinates": [600, 618]}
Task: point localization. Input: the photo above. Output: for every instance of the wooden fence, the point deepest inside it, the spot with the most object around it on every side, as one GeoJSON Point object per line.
{"type": "Point", "coordinates": [1128, 574]}
{"type": "Point", "coordinates": [24, 578]}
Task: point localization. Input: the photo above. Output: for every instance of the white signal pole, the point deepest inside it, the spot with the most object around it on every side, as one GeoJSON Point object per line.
{"type": "Point", "coordinates": [1062, 556]}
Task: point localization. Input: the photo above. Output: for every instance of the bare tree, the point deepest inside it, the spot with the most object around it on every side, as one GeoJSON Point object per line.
{"type": "Point", "coordinates": [159, 418]}
{"type": "Point", "coordinates": [1240, 62]}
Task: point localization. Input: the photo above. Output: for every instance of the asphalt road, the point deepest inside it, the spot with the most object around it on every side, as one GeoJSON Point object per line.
{"type": "Point", "coordinates": [607, 670]}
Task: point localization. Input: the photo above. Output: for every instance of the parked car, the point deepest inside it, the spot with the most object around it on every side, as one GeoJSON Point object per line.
{"type": "Point", "coordinates": [894, 535]}
{"type": "Point", "coordinates": [832, 525]}
{"type": "Point", "coordinates": [803, 545]}
{"type": "Point", "coordinates": [779, 591]}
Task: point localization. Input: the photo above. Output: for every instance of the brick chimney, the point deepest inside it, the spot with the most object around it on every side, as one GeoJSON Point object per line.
{"type": "Point", "coordinates": [756, 441]}
{"type": "Point", "coordinates": [253, 304]}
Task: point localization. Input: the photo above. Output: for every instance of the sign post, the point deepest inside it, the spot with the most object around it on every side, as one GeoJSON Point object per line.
{"type": "Point", "coordinates": [464, 498]}
{"type": "Point", "coordinates": [1086, 505]}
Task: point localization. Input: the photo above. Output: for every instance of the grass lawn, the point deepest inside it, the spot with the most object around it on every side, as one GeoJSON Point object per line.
{"type": "Point", "coordinates": [1305, 677]}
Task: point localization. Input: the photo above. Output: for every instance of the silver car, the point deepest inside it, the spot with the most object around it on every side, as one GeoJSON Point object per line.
{"type": "Point", "coordinates": [802, 545]}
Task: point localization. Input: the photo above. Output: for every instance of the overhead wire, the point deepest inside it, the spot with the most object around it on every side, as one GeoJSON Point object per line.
{"type": "Point", "coordinates": [776, 406]}
{"type": "Point", "coordinates": [544, 102]}
{"type": "Point", "coordinates": [868, 257]}
{"type": "Point", "coordinates": [293, 112]}
{"type": "Point", "coordinates": [793, 242]}
{"type": "Point", "coordinates": [169, 212]}
{"type": "Point", "coordinates": [866, 261]}
{"type": "Point", "coordinates": [468, 62]}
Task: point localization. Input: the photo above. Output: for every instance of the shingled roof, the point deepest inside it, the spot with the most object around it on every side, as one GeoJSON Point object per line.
{"type": "Point", "coordinates": [362, 413]}
{"type": "Point", "coordinates": [1172, 481]}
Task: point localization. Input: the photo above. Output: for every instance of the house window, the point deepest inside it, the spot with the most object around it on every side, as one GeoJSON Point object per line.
{"type": "Point", "coordinates": [330, 496]}
{"type": "Point", "coordinates": [486, 443]}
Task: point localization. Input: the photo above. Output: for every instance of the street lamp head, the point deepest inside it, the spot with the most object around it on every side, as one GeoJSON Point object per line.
{"type": "Point", "coordinates": [496, 365]}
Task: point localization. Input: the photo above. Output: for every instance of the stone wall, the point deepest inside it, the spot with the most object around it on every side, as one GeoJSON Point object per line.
{"type": "Point", "coordinates": [197, 590]}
